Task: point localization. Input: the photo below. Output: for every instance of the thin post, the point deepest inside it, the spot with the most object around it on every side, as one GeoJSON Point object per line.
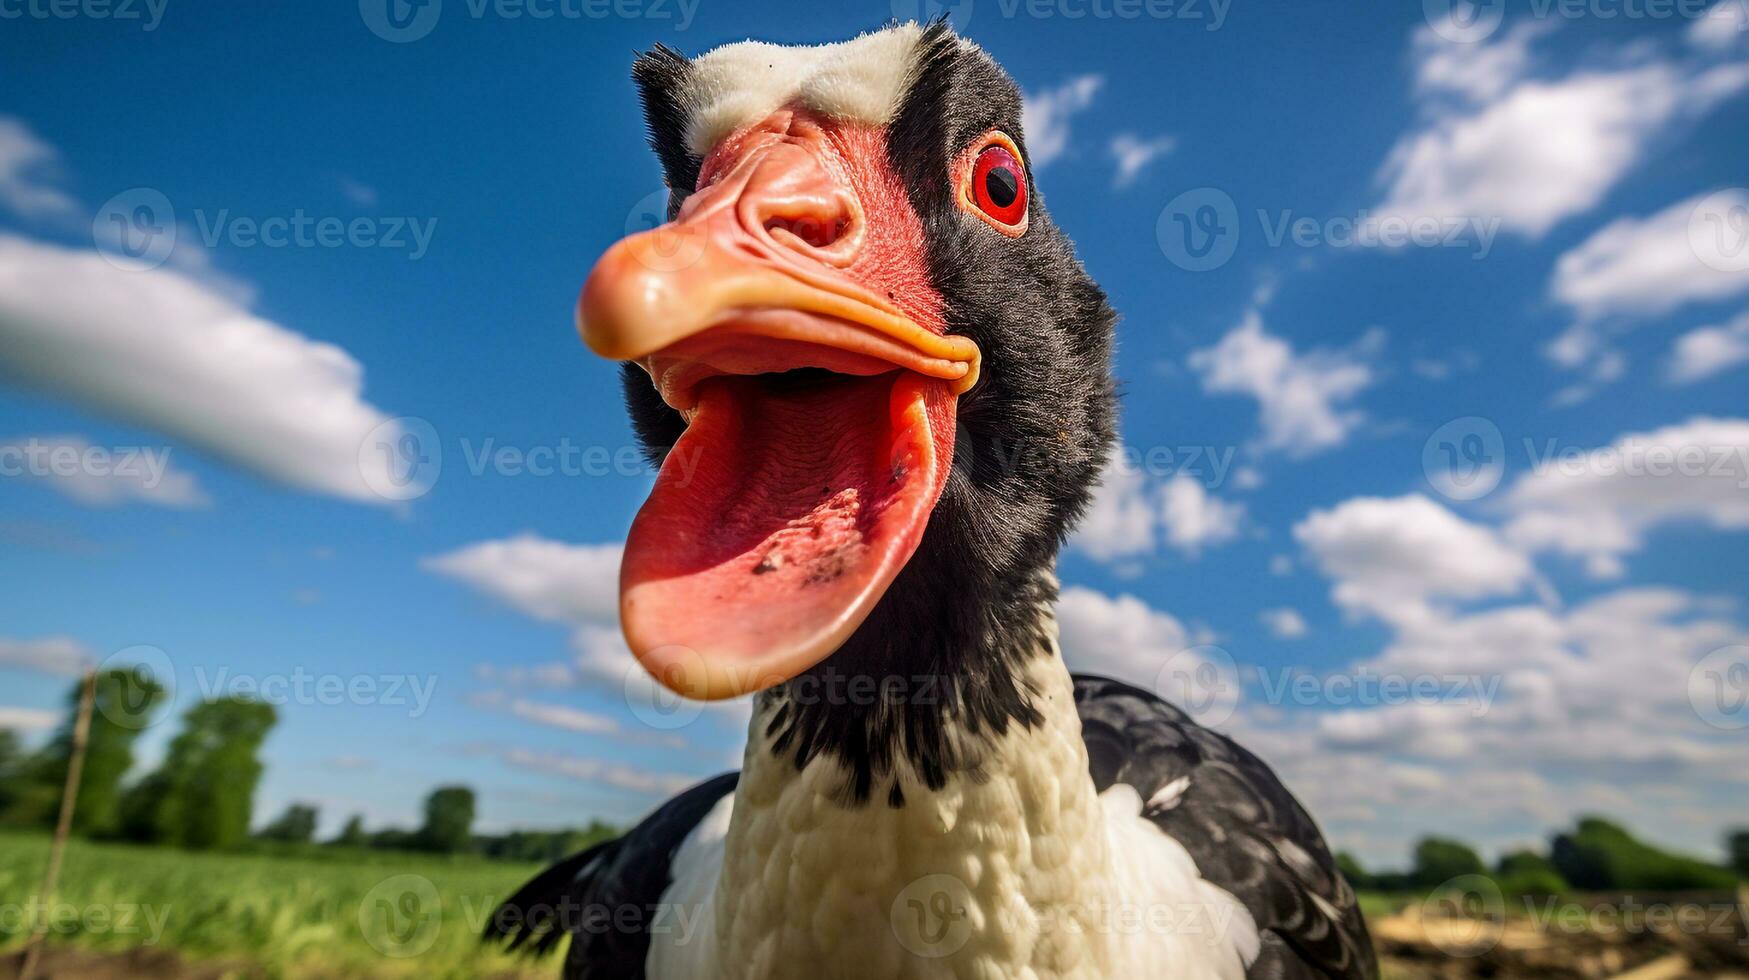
{"type": "Point", "coordinates": [63, 826]}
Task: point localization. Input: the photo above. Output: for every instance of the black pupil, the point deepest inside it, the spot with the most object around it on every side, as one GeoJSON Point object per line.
{"type": "Point", "coordinates": [1002, 185]}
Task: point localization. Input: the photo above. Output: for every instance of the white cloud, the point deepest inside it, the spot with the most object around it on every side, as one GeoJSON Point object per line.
{"type": "Point", "coordinates": [1285, 622]}
{"type": "Point", "coordinates": [1531, 152]}
{"type": "Point", "coordinates": [156, 348]}
{"type": "Point", "coordinates": [598, 771]}
{"type": "Point", "coordinates": [1394, 557]}
{"type": "Point", "coordinates": [26, 163]}
{"type": "Point", "coordinates": [101, 476]}
{"type": "Point", "coordinates": [1120, 521]}
{"type": "Point", "coordinates": [1045, 116]}
{"type": "Point", "coordinates": [27, 719]}
{"type": "Point", "coordinates": [61, 655]}
{"type": "Point", "coordinates": [1725, 26]}
{"type": "Point", "coordinates": [563, 716]}
{"type": "Point", "coordinates": [1706, 351]}
{"type": "Point", "coordinates": [1598, 505]}
{"type": "Point", "coordinates": [1476, 73]}
{"type": "Point", "coordinates": [549, 580]}
{"type": "Point", "coordinates": [359, 193]}
{"type": "Point", "coordinates": [1132, 514]}
{"type": "Point", "coordinates": [1118, 636]}
{"type": "Point", "coordinates": [576, 585]}
{"type": "Point", "coordinates": [1193, 518]}
{"type": "Point", "coordinates": [1133, 155]}
{"type": "Point", "coordinates": [1644, 266]}
{"type": "Point", "coordinates": [1302, 398]}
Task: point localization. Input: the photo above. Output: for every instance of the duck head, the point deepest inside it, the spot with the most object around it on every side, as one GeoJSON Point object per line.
{"type": "Point", "coordinates": [881, 363]}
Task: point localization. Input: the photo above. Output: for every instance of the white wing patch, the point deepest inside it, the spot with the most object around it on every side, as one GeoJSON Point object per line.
{"type": "Point", "coordinates": [736, 85]}
{"type": "Point", "coordinates": [683, 941]}
{"type": "Point", "coordinates": [1178, 917]}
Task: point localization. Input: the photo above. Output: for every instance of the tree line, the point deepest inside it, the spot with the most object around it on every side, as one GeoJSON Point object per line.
{"type": "Point", "coordinates": [201, 797]}
{"type": "Point", "coordinates": [1595, 856]}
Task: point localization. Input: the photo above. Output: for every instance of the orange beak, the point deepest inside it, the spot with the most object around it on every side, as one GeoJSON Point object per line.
{"type": "Point", "coordinates": [788, 506]}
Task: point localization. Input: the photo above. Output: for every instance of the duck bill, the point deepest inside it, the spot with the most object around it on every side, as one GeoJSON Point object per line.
{"type": "Point", "coordinates": [820, 423]}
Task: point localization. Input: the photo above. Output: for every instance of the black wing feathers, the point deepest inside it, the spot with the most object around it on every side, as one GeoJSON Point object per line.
{"type": "Point", "coordinates": [593, 896]}
{"type": "Point", "coordinates": [1244, 829]}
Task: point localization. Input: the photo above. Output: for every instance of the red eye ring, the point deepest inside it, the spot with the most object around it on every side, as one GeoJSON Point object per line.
{"type": "Point", "coordinates": [997, 186]}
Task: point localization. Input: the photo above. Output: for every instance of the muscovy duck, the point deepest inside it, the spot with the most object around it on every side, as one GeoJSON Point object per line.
{"type": "Point", "coordinates": [891, 376]}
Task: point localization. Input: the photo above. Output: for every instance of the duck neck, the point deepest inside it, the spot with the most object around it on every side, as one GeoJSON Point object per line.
{"type": "Point", "coordinates": [965, 865]}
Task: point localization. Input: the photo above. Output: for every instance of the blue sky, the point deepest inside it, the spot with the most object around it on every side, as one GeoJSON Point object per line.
{"type": "Point", "coordinates": [381, 238]}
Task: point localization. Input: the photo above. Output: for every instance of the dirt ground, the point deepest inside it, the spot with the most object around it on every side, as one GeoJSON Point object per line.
{"type": "Point", "coordinates": [1589, 939]}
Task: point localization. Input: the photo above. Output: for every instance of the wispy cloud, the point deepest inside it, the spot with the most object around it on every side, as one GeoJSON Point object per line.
{"type": "Point", "coordinates": [1303, 398]}
{"type": "Point", "coordinates": [27, 169]}
{"type": "Point", "coordinates": [1133, 155]}
{"type": "Point", "coordinates": [60, 655]}
{"type": "Point", "coordinates": [1499, 142]}
{"type": "Point", "coordinates": [1045, 116]}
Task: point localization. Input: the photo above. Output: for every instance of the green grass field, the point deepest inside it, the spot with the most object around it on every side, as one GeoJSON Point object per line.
{"type": "Point", "coordinates": [351, 914]}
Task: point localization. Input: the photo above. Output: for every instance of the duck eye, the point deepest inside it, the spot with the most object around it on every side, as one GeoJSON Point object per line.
{"type": "Point", "coordinates": [999, 185]}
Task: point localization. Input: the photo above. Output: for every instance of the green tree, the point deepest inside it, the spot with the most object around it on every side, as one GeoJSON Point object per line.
{"type": "Point", "coordinates": [1737, 843]}
{"type": "Point", "coordinates": [297, 825]}
{"type": "Point", "coordinates": [449, 817]}
{"type": "Point", "coordinates": [1439, 859]}
{"type": "Point", "coordinates": [352, 835]}
{"type": "Point", "coordinates": [126, 700]}
{"type": "Point", "coordinates": [1599, 856]}
{"type": "Point", "coordinates": [11, 761]}
{"type": "Point", "coordinates": [201, 798]}
{"type": "Point", "coordinates": [1528, 873]}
